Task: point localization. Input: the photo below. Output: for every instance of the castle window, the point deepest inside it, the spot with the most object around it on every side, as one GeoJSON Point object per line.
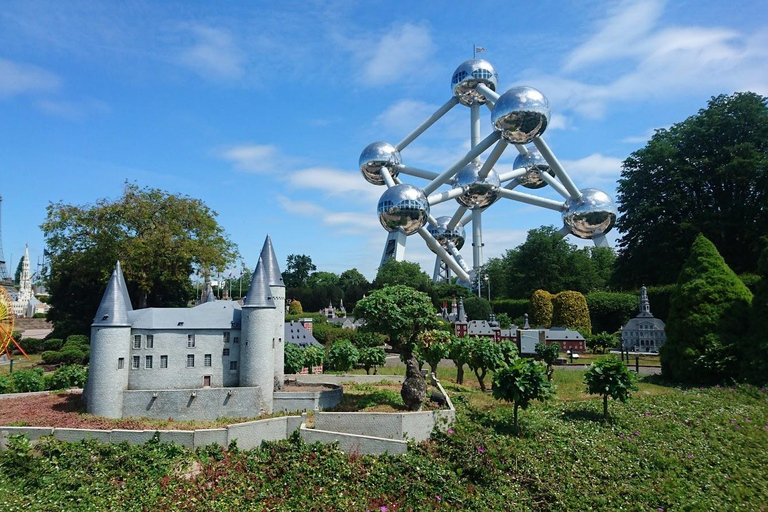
{"type": "Point", "coordinates": [237, 339]}
{"type": "Point", "coordinates": [190, 360]}
{"type": "Point", "coordinates": [233, 366]}
{"type": "Point", "coordinates": [226, 337]}
{"type": "Point", "coordinates": [163, 361]}
{"type": "Point", "coordinates": [137, 341]}
{"type": "Point", "coordinates": [120, 363]}
{"type": "Point", "coordinates": [207, 360]}
{"type": "Point", "coordinates": [190, 341]}
{"type": "Point", "coordinates": [150, 341]}
{"type": "Point", "coordinates": [136, 362]}
{"type": "Point", "coordinates": [226, 352]}
{"type": "Point", "coordinates": [148, 362]}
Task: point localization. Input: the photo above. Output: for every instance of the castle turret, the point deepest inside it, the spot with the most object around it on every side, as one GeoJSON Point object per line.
{"type": "Point", "coordinates": [277, 289]}
{"type": "Point", "coordinates": [110, 350]}
{"type": "Point", "coordinates": [258, 332]}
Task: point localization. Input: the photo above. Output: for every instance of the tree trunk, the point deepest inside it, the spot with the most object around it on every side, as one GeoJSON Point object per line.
{"type": "Point", "coordinates": [142, 300]}
{"type": "Point", "coordinates": [480, 378]}
{"type": "Point", "coordinates": [367, 370]}
{"type": "Point", "coordinates": [605, 407]}
{"type": "Point", "coordinates": [414, 390]}
{"type": "Point", "coordinates": [433, 369]}
{"type": "Point", "coordinates": [459, 374]}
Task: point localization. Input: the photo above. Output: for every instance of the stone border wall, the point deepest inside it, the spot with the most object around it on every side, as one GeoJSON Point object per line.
{"type": "Point", "coordinates": [292, 401]}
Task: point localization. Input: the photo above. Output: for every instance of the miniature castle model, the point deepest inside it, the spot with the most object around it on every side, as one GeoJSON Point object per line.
{"type": "Point", "coordinates": [217, 359]}
{"type": "Point", "coordinates": [644, 332]}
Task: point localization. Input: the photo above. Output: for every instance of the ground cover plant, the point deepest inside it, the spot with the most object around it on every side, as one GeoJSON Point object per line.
{"type": "Point", "coordinates": [694, 449]}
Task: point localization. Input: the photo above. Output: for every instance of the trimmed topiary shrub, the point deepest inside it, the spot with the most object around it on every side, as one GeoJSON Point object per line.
{"type": "Point", "coordinates": [540, 309]}
{"type": "Point", "coordinates": [609, 377]}
{"type": "Point", "coordinates": [342, 356]}
{"type": "Point", "coordinates": [569, 309]}
{"type": "Point", "coordinates": [294, 308]}
{"type": "Point", "coordinates": [294, 358]}
{"type": "Point", "coordinates": [53, 344]}
{"type": "Point", "coordinates": [66, 377]}
{"type": "Point", "coordinates": [31, 345]}
{"type": "Point", "coordinates": [477, 308]}
{"type": "Point", "coordinates": [80, 339]}
{"type": "Point", "coordinates": [707, 318]}
{"type": "Point", "coordinates": [610, 311]}
{"type": "Point", "coordinates": [72, 355]}
{"type": "Point", "coordinates": [51, 357]}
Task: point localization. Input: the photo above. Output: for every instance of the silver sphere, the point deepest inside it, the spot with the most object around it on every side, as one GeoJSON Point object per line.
{"type": "Point", "coordinates": [445, 236]}
{"type": "Point", "coordinates": [378, 155]}
{"type": "Point", "coordinates": [521, 114]}
{"type": "Point", "coordinates": [467, 76]}
{"type": "Point", "coordinates": [478, 193]}
{"type": "Point", "coordinates": [403, 207]}
{"type": "Point", "coordinates": [534, 164]}
{"type": "Point", "coordinates": [591, 215]}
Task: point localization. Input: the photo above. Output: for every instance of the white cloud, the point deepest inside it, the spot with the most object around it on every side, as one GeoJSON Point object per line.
{"type": "Point", "coordinates": [403, 116]}
{"type": "Point", "coordinates": [254, 158]}
{"type": "Point", "coordinates": [402, 52]}
{"type": "Point", "coordinates": [213, 55]}
{"type": "Point", "coordinates": [334, 182]}
{"type": "Point", "coordinates": [343, 223]}
{"type": "Point", "coordinates": [18, 78]}
{"type": "Point", "coordinates": [73, 110]}
{"type": "Point", "coordinates": [642, 138]}
{"type": "Point", "coordinates": [593, 168]}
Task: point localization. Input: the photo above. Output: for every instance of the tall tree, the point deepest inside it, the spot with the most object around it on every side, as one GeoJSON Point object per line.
{"type": "Point", "coordinates": [354, 285]}
{"type": "Point", "coordinates": [403, 273]}
{"type": "Point", "coordinates": [707, 319]}
{"type": "Point", "coordinates": [159, 238]}
{"type": "Point", "coordinates": [709, 175]}
{"type": "Point", "coordinates": [297, 270]}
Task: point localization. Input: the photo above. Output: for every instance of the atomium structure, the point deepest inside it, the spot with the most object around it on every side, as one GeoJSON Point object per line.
{"type": "Point", "coordinates": [519, 117]}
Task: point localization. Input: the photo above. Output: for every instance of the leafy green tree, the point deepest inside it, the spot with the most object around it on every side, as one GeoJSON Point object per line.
{"type": "Point", "coordinates": [569, 309]}
{"type": "Point", "coordinates": [485, 355]}
{"type": "Point", "coordinates": [504, 321]}
{"type": "Point", "coordinates": [609, 377]}
{"type": "Point", "coordinates": [597, 343]}
{"type": "Point", "coordinates": [609, 311]}
{"type": "Point", "coordinates": [343, 356]}
{"type": "Point", "coordinates": [548, 354]}
{"type": "Point", "coordinates": [433, 347]}
{"type": "Point", "coordinates": [294, 358]}
{"type": "Point", "coordinates": [354, 286]}
{"type": "Point", "coordinates": [708, 317]}
{"type": "Point", "coordinates": [297, 270]}
{"type": "Point", "coordinates": [403, 273]}
{"type": "Point", "coordinates": [159, 238]}
{"type": "Point", "coordinates": [754, 361]}
{"type": "Point", "coordinates": [372, 357]}
{"type": "Point", "coordinates": [459, 351]}
{"type": "Point", "coordinates": [477, 308]}
{"type": "Point", "coordinates": [707, 174]}
{"type": "Point", "coordinates": [365, 339]}
{"type": "Point", "coordinates": [294, 308]}
{"type": "Point", "coordinates": [313, 356]}
{"type": "Point", "coordinates": [520, 383]}
{"type": "Point", "coordinates": [401, 313]}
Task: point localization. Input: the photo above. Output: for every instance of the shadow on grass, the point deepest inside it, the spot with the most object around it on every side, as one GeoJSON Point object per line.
{"type": "Point", "coordinates": [583, 415]}
{"type": "Point", "coordinates": [71, 403]}
{"type": "Point", "coordinates": [377, 399]}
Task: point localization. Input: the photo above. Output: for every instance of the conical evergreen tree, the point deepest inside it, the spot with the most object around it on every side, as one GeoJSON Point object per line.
{"type": "Point", "coordinates": [755, 348]}
{"type": "Point", "coordinates": [707, 321]}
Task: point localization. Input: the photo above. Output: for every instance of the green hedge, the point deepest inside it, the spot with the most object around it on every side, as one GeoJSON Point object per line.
{"type": "Point", "coordinates": [610, 311]}
{"type": "Point", "coordinates": [514, 308]}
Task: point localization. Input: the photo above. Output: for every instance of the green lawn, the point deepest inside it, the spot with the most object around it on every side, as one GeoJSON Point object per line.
{"type": "Point", "coordinates": [21, 363]}
{"type": "Point", "coordinates": [666, 449]}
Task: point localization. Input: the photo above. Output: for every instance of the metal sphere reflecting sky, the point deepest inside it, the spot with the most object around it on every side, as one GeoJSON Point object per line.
{"type": "Point", "coordinates": [403, 207]}
{"type": "Point", "coordinates": [444, 236]}
{"type": "Point", "coordinates": [467, 76]}
{"type": "Point", "coordinates": [534, 164]}
{"type": "Point", "coordinates": [521, 114]}
{"type": "Point", "coordinates": [478, 193]}
{"type": "Point", "coordinates": [593, 214]}
{"type": "Point", "coordinates": [378, 155]}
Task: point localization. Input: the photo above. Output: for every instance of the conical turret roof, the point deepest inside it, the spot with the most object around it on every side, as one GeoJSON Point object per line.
{"type": "Point", "coordinates": [113, 310]}
{"type": "Point", "coordinates": [123, 286]}
{"type": "Point", "coordinates": [274, 277]}
{"type": "Point", "coordinates": [258, 293]}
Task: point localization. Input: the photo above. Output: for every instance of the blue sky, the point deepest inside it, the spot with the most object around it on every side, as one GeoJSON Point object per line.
{"type": "Point", "coordinates": [261, 109]}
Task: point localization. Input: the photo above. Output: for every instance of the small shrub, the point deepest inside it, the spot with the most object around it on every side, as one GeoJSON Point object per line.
{"type": "Point", "coordinates": [294, 308]}
{"type": "Point", "coordinates": [66, 377]}
{"type": "Point", "coordinates": [520, 383]}
{"type": "Point", "coordinates": [294, 358]}
{"type": "Point", "coordinates": [477, 308]}
{"type": "Point", "coordinates": [609, 377]}
{"type": "Point", "coordinates": [485, 355]}
{"type": "Point", "coordinates": [549, 355]}
{"type": "Point", "coordinates": [459, 351]}
{"type": "Point", "coordinates": [25, 381]}
{"type": "Point", "coordinates": [72, 355]}
{"type": "Point", "coordinates": [600, 342]}
{"type": "Point", "coordinates": [372, 357]}
{"type": "Point", "coordinates": [342, 356]}
{"type": "Point", "coordinates": [80, 339]}
{"type": "Point", "coordinates": [313, 356]}
{"type": "Point", "coordinates": [433, 347]}
{"type": "Point", "coordinates": [53, 344]}
{"type": "Point", "coordinates": [368, 339]}
{"type": "Point", "coordinates": [6, 385]}
{"type": "Point", "coordinates": [51, 357]}
{"type": "Point", "coordinates": [31, 345]}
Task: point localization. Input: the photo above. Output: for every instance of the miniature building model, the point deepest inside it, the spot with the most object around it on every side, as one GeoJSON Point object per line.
{"type": "Point", "coordinates": [644, 332]}
{"type": "Point", "coordinates": [217, 359]}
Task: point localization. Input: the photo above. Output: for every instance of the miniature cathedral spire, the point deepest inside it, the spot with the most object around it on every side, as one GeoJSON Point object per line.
{"type": "Point", "coordinates": [645, 304]}
{"type": "Point", "coordinates": [271, 267]}
{"type": "Point", "coordinates": [258, 293]}
{"type": "Point", "coordinates": [113, 309]}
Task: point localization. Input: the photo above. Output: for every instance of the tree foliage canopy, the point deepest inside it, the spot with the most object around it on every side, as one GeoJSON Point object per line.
{"type": "Point", "coordinates": [159, 238]}
{"type": "Point", "coordinates": [709, 175]}
{"type": "Point", "coordinates": [707, 319]}
{"type": "Point", "coordinates": [297, 270]}
{"type": "Point", "coordinates": [403, 273]}
{"type": "Point", "coordinates": [609, 377]}
{"type": "Point", "coordinates": [755, 361]}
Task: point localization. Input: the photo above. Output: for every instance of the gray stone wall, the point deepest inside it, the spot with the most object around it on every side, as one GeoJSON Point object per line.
{"type": "Point", "coordinates": [178, 375]}
{"type": "Point", "coordinates": [193, 404]}
{"type": "Point", "coordinates": [291, 401]}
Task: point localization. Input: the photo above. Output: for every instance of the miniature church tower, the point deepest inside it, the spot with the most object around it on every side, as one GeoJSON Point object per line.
{"type": "Point", "coordinates": [277, 290]}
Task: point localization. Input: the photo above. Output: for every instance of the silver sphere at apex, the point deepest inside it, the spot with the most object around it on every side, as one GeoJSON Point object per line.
{"type": "Point", "coordinates": [592, 215]}
{"type": "Point", "coordinates": [445, 236]}
{"type": "Point", "coordinates": [535, 165]}
{"type": "Point", "coordinates": [478, 193]}
{"type": "Point", "coordinates": [403, 207]}
{"type": "Point", "coordinates": [467, 77]}
{"type": "Point", "coordinates": [521, 114]}
{"type": "Point", "coordinates": [378, 155]}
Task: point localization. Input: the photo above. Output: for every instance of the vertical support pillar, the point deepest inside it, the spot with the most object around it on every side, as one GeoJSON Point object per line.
{"type": "Point", "coordinates": [394, 248]}
{"type": "Point", "coordinates": [477, 241]}
{"type": "Point", "coordinates": [474, 112]}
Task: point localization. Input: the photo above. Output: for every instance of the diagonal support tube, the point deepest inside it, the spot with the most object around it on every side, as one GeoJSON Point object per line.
{"type": "Point", "coordinates": [471, 155]}
{"type": "Point", "coordinates": [419, 173]}
{"type": "Point", "coordinates": [531, 199]}
{"type": "Point", "coordinates": [444, 196]}
{"type": "Point", "coordinates": [498, 149]}
{"type": "Point", "coordinates": [512, 175]}
{"type": "Point", "coordinates": [447, 258]}
{"type": "Point", "coordinates": [556, 185]}
{"type": "Point", "coordinates": [426, 124]}
{"type": "Point", "coordinates": [457, 217]}
{"type": "Point", "coordinates": [491, 96]}
{"type": "Point", "coordinates": [553, 162]}
{"type": "Point", "coordinates": [388, 180]}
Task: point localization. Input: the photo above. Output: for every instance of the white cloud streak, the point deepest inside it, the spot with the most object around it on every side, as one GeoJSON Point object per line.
{"type": "Point", "coordinates": [19, 78]}
{"type": "Point", "coordinates": [213, 55]}
{"type": "Point", "coordinates": [254, 158]}
{"type": "Point", "coordinates": [403, 51]}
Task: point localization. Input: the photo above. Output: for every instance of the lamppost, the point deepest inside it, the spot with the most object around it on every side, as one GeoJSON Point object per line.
{"type": "Point", "coordinates": [488, 286]}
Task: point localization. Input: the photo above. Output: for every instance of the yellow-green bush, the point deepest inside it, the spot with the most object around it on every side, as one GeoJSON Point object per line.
{"type": "Point", "coordinates": [541, 309]}
{"type": "Point", "coordinates": [569, 309]}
